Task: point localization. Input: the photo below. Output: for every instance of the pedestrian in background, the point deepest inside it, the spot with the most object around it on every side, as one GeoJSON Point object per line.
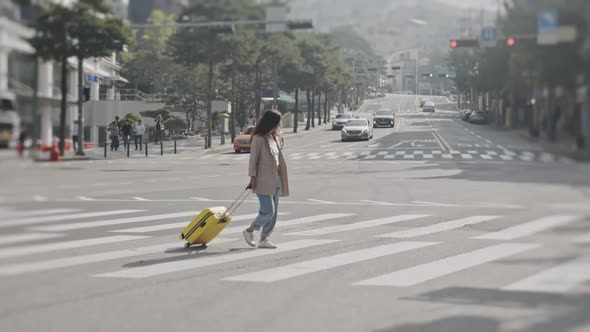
{"type": "Point", "coordinates": [158, 128]}
{"type": "Point", "coordinates": [268, 177]}
{"type": "Point", "coordinates": [75, 129]}
{"type": "Point", "coordinates": [126, 130]}
{"type": "Point", "coordinates": [20, 147]}
{"type": "Point", "coordinates": [114, 134]}
{"type": "Point", "coordinates": [139, 131]}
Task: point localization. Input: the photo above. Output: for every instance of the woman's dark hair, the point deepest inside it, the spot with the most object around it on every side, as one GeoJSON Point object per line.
{"type": "Point", "coordinates": [267, 123]}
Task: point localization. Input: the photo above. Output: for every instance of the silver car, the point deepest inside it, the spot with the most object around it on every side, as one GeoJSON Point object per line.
{"type": "Point", "coordinates": [340, 120]}
{"type": "Point", "coordinates": [357, 129]}
{"type": "Point", "coordinates": [429, 107]}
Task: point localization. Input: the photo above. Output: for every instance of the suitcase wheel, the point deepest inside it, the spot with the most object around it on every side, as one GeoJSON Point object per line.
{"type": "Point", "coordinates": [181, 236]}
{"type": "Point", "coordinates": [186, 245]}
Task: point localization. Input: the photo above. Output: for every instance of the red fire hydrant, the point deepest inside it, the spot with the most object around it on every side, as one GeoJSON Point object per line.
{"type": "Point", "coordinates": [55, 152]}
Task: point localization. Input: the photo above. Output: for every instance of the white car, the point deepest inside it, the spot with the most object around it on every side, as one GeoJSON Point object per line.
{"type": "Point", "coordinates": [357, 129]}
{"type": "Point", "coordinates": [429, 107]}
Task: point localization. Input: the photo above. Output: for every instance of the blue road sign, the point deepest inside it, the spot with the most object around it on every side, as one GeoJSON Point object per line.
{"type": "Point", "coordinates": [548, 27]}
{"type": "Point", "coordinates": [93, 78]}
{"type": "Point", "coordinates": [489, 36]}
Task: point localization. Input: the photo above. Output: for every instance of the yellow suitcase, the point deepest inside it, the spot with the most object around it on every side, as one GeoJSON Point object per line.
{"type": "Point", "coordinates": [209, 223]}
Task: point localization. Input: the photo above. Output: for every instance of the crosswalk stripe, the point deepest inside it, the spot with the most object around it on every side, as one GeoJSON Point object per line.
{"type": "Point", "coordinates": [44, 248]}
{"type": "Point", "coordinates": [530, 228]}
{"type": "Point", "coordinates": [189, 264]}
{"type": "Point", "coordinates": [429, 271]}
{"type": "Point", "coordinates": [24, 214]}
{"type": "Point", "coordinates": [325, 263]}
{"type": "Point", "coordinates": [358, 225]}
{"type": "Point", "coordinates": [179, 225]}
{"type": "Point", "coordinates": [582, 239]}
{"type": "Point", "coordinates": [559, 279]}
{"type": "Point", "coordinates": [63, 217]}
{"type": "Point", "coordinates": [440, 227]}
{"type": "Point", "coordinates": [111, 222]}
{"type": "Point", "coordinates": [28, 237]}
{"type": "Point", "coordinates": [292, 222]}
{"type": "Point", "coordinates": [54, 264]}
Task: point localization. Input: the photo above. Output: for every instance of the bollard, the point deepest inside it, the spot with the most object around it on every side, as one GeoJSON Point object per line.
{"type": "Point", "coordinates": [174, 147]}
{"type": "Point", "coordinates": [105, 149]}
{"type": "Point", "coordinates": [146, 149]}
{"type": "Point", "coordinates": [161, 148]}
{"type": "Point", "coordinates": [128, 149]}
{"type": "Point", "coordinates": [206, 141]}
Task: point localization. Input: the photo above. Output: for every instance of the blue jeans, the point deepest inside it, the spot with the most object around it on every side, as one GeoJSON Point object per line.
{"type": "Point", "coordinates": [268, 213]}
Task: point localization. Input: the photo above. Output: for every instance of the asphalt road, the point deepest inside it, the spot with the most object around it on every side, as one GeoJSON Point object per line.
{"type": "Point", "coordinates": [435, 225]}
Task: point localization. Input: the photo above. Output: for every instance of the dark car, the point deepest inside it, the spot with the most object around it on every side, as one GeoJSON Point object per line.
{"type": "Point", "coordinates": [383, 118]}
{"type": "Point", "coordinates": [478, 117]}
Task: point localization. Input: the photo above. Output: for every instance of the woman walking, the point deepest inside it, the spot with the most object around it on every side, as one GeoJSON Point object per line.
{"type": "Point", "coordinates": [114, 133]}
{"type": "Point", "coordinates": [268, 177]}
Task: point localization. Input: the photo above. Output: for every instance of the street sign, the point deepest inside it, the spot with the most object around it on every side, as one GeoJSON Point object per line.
{"type": "Point", "coordinates": [488, 37]}
{"type": "Point", "coordinates": [92, 78]}
{"type": "Point", "coordinates": [276, 19]}
{"type": "Point", "coordinates": [548, 27]}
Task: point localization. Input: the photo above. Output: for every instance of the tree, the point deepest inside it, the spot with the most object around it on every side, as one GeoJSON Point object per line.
{"type": "Point", "coordinates": [154, 114]}
{"type": "Point", "coordinates": [192, 46]}
{"type": "Point", "coordinates": [95, 33]}
{"type": "Point", "coordinates": [52, 42]}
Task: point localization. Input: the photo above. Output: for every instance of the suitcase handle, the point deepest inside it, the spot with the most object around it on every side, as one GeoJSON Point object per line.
{"type": "Point", "coordinates": [238, 202]}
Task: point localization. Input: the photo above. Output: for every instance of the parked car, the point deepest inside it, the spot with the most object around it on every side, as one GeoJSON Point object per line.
{"type": "Point", "coordinates": [341, 120]}
{"type": "Point", "coordinates": [466, 114]}
{"type": "Point", "coordinates": [242, 142]}
{"type": "Point", "coordinates": [383, 118]}
{"type": "Point", "coordinates": [423, 101]}
{"type": "Point", "coordinates": [429, 107]}
{"type": "Point", "coordinates": [478, 117]}
{"type": "Point", "coordinates": [357, 129]}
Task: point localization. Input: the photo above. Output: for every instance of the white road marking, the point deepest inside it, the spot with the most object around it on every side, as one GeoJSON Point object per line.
{"type": "Point", "coordinates": [434, 204]}
{"type": "Point", "coordinates": [486, 157]}
{"type": "Point", "coordinates": [33, 213]}
{"type": "Point", "coordinates": [44, 248]}
{"type": "Point", "coordinates": [466, 156]}
{"type": "Point", "coordinates": [201, 199]}
{"type": "Point", "coordinates": [27, 237]}
{"type": "Point", "coordinates": [429, 271]}
{"type": "Point", "coordinates": [54, 264]}
{"type": "Point", "coordinates": [582, 239]}
{"type": "Point", "coordinates": [141, 199]}
{"type": "Point", "coordinates": [197, 262]}
{"type": "Point", "coordinates": [319, 201]}
{"type": "Point", "coordinates": [293, 222]}
{"type": "Point", "coordinates": [358, 225]}
{"type": "Point", "coordinates": [530, 228]}
{"type": "Point", "coordinates": [114, 222]}
{"type": "Point", "coordinates": [39, 198]}
{"type": "Point", "coordinates": [62, 217]}
{"type": "Point", "coordinates": [560, 279]}
{"type": "Point", "coordinates": [179, 225]}
{"type": "Point", "coordinates": [440, 227]}
{"type": "Point", "coordinates": [326, 263]}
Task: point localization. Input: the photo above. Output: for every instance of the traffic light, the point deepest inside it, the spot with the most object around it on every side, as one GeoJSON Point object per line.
{"type": "Point", "coordinates": [427, 75]}
{"type": "Point", "coordinates": [510, 42]}
{"type": "Point", "coordinates": [396, 68]}
{"type": "Point", "coordinates": [443, 75]}
{"type": "Point", "coordinates": [457, 43]}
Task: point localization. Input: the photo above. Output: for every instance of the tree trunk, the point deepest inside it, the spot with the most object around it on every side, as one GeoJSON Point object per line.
{"type": "Point", "coordinates": [312, 108]}
{"type": "Point", "coordinates": [326, 110]}
{"type": "Point", "coordinates": [309, 113]}
{"type": "Point", "coordinates": [258, 88]}
{"type": "Point", "coordinates": [209, 97]}
{"type": "Point", "coordinates": [296, 115]}
{"type": "Point", "coordinates": [64, 105]}
{"type": "Point", "coordinates": [319, 108]}
{"type": "Point", "coordinates": [80, 132]}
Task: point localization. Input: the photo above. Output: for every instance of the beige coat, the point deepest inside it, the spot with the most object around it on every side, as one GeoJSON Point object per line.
{"type": "Point", "coordinates": [264, 167]}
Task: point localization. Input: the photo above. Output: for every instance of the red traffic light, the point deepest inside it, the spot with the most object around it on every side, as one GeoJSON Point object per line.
{"type": "Point", "coordinates": [454, 44]}
{"type": "Point", "coordinates": [510, 41]}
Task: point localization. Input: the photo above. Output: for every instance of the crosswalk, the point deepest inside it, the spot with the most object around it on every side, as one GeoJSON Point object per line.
{"type": "Point", "coordinates": [309, 244]}
{"type": "Point", "coordinates": [417, 154]}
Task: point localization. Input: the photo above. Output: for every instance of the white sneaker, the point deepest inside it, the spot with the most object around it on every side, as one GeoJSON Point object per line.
{"type": "Point", "coordinates": [249, 237]}
{"type": "Point", "coordinates": [266, 244]}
